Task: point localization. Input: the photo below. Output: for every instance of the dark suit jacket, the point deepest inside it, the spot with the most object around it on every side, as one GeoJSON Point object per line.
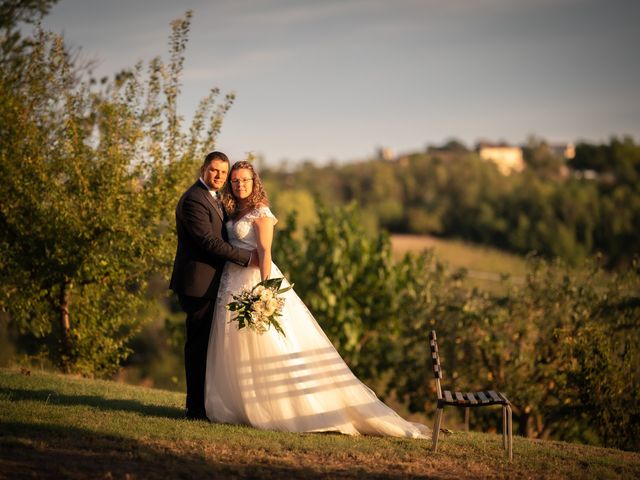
{"type": "Point", "coordinates": [202, 245]}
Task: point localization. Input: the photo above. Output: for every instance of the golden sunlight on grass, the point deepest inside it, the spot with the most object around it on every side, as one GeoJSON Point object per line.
{"type": "Point", "coordinates": [57, 426]}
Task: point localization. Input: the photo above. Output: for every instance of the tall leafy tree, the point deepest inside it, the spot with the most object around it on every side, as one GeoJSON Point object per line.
{"type": "Point", "coordinates": [13, 15]}
{"type": "Point", "coordinates": [90, 179]}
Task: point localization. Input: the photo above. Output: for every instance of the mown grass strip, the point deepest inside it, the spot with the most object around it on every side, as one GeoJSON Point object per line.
{"type": "Point", "coordinates": [59, 426]}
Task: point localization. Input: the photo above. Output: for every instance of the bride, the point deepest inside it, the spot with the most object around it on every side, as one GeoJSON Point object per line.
{"type": "Point", "coordinates": [297, 383]}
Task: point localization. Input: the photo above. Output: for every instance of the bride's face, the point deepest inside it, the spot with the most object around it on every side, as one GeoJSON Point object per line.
{"type": "Point", "coordinates": [241, 183]}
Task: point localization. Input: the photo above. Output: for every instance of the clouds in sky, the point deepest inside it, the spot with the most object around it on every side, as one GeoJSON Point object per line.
{"type": "Point", "coordinates": [334, 79]}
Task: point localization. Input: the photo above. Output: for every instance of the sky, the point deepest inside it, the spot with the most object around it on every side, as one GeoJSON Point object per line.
{"type": "Point", "coordinates": [333, 80]}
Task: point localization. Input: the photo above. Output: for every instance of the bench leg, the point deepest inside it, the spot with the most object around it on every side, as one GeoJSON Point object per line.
{"type": "Point", "coordinates": [436, 428]}
{"type": "Point", "coordinates": [466, 419]}
{"type": "Point", "coordinates": [504, 427]}
{"type": "Point", "coordinates": [510, 432]}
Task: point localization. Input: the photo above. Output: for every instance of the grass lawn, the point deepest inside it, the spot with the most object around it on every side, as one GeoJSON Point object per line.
{"type": "Point", "coordinates": [55, 426]}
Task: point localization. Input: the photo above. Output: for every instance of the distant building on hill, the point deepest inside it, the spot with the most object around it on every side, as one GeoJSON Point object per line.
{"type": "Point", "coordinates": [507, 158]}
{"type": "Point", "coordinates": [565, 150]}
{"type": "Point", "coordinates": [386, 153]}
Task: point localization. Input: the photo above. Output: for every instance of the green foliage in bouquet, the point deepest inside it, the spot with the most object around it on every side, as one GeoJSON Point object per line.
{"type": "Point", "coordinates": [258, 308]}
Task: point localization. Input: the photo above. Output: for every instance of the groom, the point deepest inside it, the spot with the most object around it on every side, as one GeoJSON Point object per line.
{"type": "Point", "coordinates": [201, 254]}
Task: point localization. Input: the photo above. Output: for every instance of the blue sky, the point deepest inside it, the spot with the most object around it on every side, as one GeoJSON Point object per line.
{"type": "Point", "coordinates": [333, 80]}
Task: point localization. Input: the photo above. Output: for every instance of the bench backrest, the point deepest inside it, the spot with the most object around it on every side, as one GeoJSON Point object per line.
{"type": "Point", "coordinates": [435, 360]}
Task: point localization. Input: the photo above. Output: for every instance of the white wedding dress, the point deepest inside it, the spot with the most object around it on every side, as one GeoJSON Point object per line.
{"type": "Point", "coordinates": [297, 383]}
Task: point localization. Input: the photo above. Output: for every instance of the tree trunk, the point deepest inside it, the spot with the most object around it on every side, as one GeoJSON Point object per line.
{"type": "Point", "coordinates": [541, 430]}
{"type": "Point", "coordinates": [65, 326]}
{"type": "Point", "coordinates": [523, 424]}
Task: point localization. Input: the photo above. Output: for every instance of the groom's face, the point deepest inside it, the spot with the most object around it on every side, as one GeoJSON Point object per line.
{"type": "Point", "coordinates": [215, 174]}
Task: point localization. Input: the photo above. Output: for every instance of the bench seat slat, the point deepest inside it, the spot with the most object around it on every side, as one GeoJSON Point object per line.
{"type": "Point", "coordinates": [483, 398]}
{"type": "Point", "coordinates": [471, 398]}
{"type": "Point", "coordinates": [494, 396]}
{"type": "Point", "coordinates": [504, 398]}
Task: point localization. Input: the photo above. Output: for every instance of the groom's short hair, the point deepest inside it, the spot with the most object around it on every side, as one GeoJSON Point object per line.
{"type": "Point", "coordinates": [215, 156]}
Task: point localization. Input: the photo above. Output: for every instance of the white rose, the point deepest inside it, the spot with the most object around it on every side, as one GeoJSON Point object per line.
{"type": "Point", "coordinates": [272, 306]}
{"type": "Point", "coordinates": [259, 307]}
{"type": "Point", "coordinates": [258, 289]}
{"type": "Point", "coordinates": [266, 295]}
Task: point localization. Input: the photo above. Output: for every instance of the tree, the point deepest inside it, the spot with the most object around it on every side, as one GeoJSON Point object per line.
{"type": "Point", "coordinates": [90, 179]}
{"type": "Point", "coordinates": [542, 160]}
{"type": "Point", "coordinates": [361, 297]}
{"type": "Point", "coordinates": [346, 279]}
{"type": "Point", "coordinates": [12, 14]}
{"type": "Point", "coordinates": [564, 348]}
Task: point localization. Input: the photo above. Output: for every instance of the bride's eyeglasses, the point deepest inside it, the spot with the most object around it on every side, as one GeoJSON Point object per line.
{"type": "Point", "coordinates": [242, 181]}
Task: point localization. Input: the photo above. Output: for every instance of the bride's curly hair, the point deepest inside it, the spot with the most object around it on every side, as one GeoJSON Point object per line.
{"type": "Point", "coordinates": [258, 195]}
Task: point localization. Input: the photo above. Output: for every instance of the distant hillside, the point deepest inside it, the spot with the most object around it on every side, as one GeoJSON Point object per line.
{"type": "Point", "coordinates": [485, 265]}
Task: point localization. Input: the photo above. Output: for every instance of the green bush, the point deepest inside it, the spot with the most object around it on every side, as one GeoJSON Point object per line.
{"type": "Point", "coordinates": [564, 346]}
{"type": "Point", "coordinates": [90, 177]}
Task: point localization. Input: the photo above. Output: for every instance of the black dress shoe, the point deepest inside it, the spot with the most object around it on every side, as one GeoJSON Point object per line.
{"type": "Point", "coordinates": [196, 415]}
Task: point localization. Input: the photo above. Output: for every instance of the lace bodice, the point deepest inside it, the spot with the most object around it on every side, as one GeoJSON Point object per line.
{"type": "Point", "coordinates": [242, 233]}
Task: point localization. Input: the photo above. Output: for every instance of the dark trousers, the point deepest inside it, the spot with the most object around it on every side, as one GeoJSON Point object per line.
{"type": "Point", "coordinates": [199, 317]}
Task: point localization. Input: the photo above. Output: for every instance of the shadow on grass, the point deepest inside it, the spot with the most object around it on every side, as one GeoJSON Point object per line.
{"type": "Point", "coordinates": [51, 451]}
{"type": "Point", "coordinates": [55, 398]}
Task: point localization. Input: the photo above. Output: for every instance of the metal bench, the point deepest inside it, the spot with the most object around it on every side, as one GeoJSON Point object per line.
{"type": "Point", "coordinates": [468, 400]}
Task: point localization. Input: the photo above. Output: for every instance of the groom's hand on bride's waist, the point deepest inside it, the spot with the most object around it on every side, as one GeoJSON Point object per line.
{"type": "Point", "coordinates": [254, 261]}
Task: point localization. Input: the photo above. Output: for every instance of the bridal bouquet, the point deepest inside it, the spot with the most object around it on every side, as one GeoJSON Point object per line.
{"type": "Point", "coordinates": [258, 308]}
